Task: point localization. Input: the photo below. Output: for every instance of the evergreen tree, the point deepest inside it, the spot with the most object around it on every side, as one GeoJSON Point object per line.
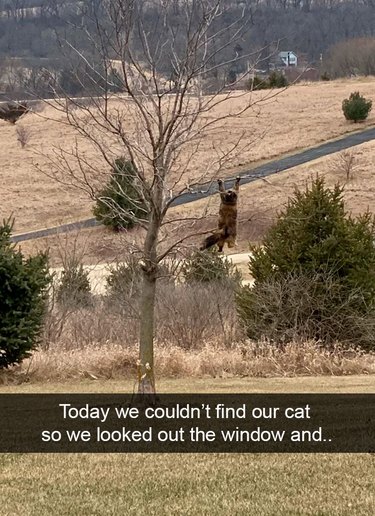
{"type": "Point", "coordinates": [258, 83]}
{"type": "Point", "coordinates": [23, 285]}
{"type": "Point", "coordinates": [124, 279]}
{"type": "Point", "coordinates": [119, 204]}
{"type": "Point", "coordinates": [74, 287]}
{"type": "Point", "coordinates": [277, 80]}
{"type": "Point", "coordinates": [356, 107]}
{"type": "Point", "coordinates": [209, 266]}
{"type": "Point", "coordinates": [317, 263]}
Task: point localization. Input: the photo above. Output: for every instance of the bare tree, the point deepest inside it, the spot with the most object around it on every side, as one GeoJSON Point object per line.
{"type": "Point", "coordinates": [351, 57]}
{"type": "Point", "coordinates": [346, 162]}
{"type": "Point", "coordinates": [146, 79]}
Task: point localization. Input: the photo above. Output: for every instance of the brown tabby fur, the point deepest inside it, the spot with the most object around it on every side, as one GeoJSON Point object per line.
{"type": "Point", "coordinates": [227, 225]}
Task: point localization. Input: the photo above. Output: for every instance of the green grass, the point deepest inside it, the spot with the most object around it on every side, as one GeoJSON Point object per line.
{"type": "Point", "coordinates": [217, 484]}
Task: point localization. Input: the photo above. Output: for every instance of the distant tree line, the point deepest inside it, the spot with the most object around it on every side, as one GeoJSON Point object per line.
{"type": "Point", "coordinates": [307, 26]}
{"type": "Point", "coordinates": [350, 58]}
{"type": "Point", "coordinates": [34, 29]}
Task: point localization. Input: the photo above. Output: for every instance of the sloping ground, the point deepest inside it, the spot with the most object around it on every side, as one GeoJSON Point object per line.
{"type": "Point", "coordinates": [259, 204]}
{"type": "Point", "coordinates": [302, 116]}
{"type": "Point", "coordinates": [262, 171]}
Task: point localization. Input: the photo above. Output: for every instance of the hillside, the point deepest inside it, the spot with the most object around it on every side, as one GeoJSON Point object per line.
{"type": "Point", "coordinates": [302, 116]}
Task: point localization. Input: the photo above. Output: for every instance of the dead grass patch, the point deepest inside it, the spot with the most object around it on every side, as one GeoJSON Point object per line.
{"type": "Point", "coordinates": [187, 484]}
{"type": "Point", "coordinates": [259, 204]}
{"type": "Point", "coordinates": [308, 114]}
{"type": "Point", "coordinates": [260, 359]}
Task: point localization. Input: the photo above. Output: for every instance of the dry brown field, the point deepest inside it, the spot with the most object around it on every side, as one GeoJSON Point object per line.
{"type": "Point", "coordinates": [302, 116]}
{"type": "Point", "coordinates": [259, 204]}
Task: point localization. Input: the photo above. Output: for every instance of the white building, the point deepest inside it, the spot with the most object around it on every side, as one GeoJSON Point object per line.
{"type": "Point", "coordinates": [289, 58]}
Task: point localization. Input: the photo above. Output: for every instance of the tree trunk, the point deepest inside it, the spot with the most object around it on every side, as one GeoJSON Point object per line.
{"type": "Point", "coordinates": [146, 379]}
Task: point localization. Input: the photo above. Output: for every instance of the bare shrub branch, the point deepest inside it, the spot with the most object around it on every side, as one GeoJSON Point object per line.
{"type": "Point", "coordinates": [23, 135]}
{"type": "Point", "coordinates": [346, 163]}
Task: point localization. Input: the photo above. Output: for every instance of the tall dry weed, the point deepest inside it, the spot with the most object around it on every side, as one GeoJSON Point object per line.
{"type": "Point", "coordinates": [111, 361]}
{"type": "Point", "coordinates": [197, 335]}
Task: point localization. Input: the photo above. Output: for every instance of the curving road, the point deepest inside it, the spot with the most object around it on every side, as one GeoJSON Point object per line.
{"type": "Point", "coordinates": [207, 189]}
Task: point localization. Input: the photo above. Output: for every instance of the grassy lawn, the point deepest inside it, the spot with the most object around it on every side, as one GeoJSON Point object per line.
{"type": "Point", "coordinates": [187, 484]}
{"type": "Point", "coordinates": [345, 384]}
{"type": "Point", "coordinates": [217, 484]}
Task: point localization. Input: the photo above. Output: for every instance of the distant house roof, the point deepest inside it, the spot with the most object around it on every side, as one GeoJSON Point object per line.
{"type": "Point", "coordinates": [284, 54]}
{"type": "Point", "coordinates": [288, 58]}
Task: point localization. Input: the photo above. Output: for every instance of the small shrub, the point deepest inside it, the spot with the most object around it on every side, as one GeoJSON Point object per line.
{"type": "Point", "coordinates": [356, 108]}
{"type": "Point", "coordinates": [12, 112]}
{"type": "Point", "coordinates": [23, 289]}
{"type": "Point", "coordinates": [257, 83]}
{"type": "Point", "coordinates": [119, 205]}
{"type": "Point", "coordinates": [315, 274]}
{"type": "Point", "coordinates": [231, 77]}
{"type": "Point", "coordinates": [325, 77]}
{"type": "Point", "coordinates": [70, 83]}
{"type": "Point", "coordinates": [169, 270]}
{"type": "Point", "coordinates": [23, 135]}
{"type": "Point", "coordinates": [124, 282]}
{"type": "Point", "coordinates": [190, 315]}
{"type": "Point", "coordinates": [277, 80]}
{"type": "Point", "coordinates": [210, 266]}
{"type": "Point", "coordinates": [74, 288]}
{"type": "Point", "coordinates": [124, 279]}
